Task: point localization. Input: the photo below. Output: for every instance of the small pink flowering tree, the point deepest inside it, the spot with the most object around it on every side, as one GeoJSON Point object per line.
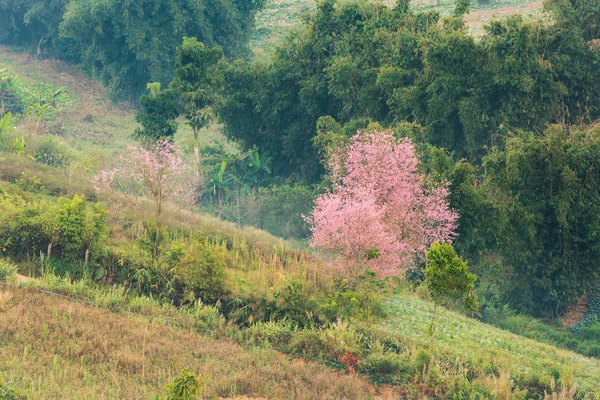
{"type": "Point", "coordinates": [157, 175]}
{"type": "Point", "coordinates": [379, 214]}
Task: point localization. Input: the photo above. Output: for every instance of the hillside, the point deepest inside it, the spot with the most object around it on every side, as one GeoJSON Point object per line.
{"type": "Point", "coordinates": [467, 338]}
{"type": "Point", "coordinates": [132, 282]}
{"type": "Point", "coordinates": [279, 16]}
{"type": "Point", "coordinates": [132, 348]}
{"type": "Point", "coordinates": [55, 348]}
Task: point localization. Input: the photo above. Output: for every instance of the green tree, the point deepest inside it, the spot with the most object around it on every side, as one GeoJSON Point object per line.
{"type": "Point", "coordinates": [157, 114]}
{"type": "Point", "coordinates": [126, 44]}
{"type": "Point", "coordinates": [185, 387]}
{"type": "Point", "coordinates": [33, 23]}
{"type": "Point", "coordinates": [462, 7]}
{"type": "Point", "coordinates": [448, 280]}
{"type": "Point", "coordinates": [545, 188]}
{"type": "Point", "coordinates": [197, 79]}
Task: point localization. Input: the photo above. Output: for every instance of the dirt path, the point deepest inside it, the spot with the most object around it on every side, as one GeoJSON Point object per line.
{"type": "Point", "coordinates": [22, 278]}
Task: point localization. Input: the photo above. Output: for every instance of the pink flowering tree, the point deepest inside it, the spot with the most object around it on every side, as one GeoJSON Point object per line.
{"type": "Point", "coordinates": [155, 175]}
{"type": "Point", "coordinates": [379, 213]}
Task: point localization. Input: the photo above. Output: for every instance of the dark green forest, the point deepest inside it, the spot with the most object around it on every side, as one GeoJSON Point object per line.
{"type": "Point", "coordinates": [125, 43]}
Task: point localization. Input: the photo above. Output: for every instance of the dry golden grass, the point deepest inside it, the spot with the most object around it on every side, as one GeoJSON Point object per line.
{"type": "Point", "coordinates": [53, 348]}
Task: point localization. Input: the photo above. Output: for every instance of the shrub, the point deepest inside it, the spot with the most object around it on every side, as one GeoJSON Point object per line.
{"type": "Point", "coordinates": [314, 343]}
{"type": "Point", "coordinates": [351, 304]}
{"type": "Point", "coordinates": [385, 367]}
{"type": "Point", "coordinates": [590, 332]}
{"type": "Point", "coordinates": [202, 272]}
{"type": "Point", "coordinates": [81, 227]}
{"type": "Point", "coordinates": [185, 387]}
{"type": "Point", "coordinates": [589, 349]}
{"type": "Point", "coordinates": [448, 279]}
{"type": "Point", "coordinates": [274, 334]}
{"type": "Point", "coordinates": [70, 228]}
{"type": "Point", "coordinates": [7, 271]}
{"type": "Point", "coordinates": [292, 302]}
{"type": "Point", "coordinates": [52, 152]}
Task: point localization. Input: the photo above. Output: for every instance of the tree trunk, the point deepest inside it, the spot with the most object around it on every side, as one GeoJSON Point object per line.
{"type": "Point", "coordinates": [158, 216]}
{"type": "Point", "coordinates": [196, 154]}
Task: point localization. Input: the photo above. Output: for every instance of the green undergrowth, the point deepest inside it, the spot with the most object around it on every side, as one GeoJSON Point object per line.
{"type": "Point", "coordinates": [585, 340]}
{"type": "Point", "coordinates": [469, 359]}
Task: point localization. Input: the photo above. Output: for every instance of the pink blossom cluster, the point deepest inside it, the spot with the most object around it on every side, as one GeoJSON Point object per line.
{"type": "Point", "coordinates": [157, 173]}
{"type": "Point", "coordinates": [379, 214]}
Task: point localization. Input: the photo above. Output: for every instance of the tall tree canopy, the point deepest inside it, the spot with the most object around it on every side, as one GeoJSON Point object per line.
{"type": "Point", "coordinates": [547, 189]}
{"type": "Point", "coordinates": [197, 79]}
{"type": "Point", "coordinates": [354, 61]}
{"type": "Point", "coordinates": [126, 43]}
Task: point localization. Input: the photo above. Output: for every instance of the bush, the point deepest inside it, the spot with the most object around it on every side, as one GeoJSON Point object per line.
{"type": "Point", "coordinates": [385, 367]}
{"type": "Point", "coordinates": [185, 387]}
{"type": "Point", "coordinates": [70, 228]}
{"type": "Point", "coordinates": [274, 334]}
{"type": "Point", "coordinates": [51, 152]}
{"type": "Point", "coordinates": [589, 349]}
{"type": "Point", "coordinates": [7, 271]}
{"type": "Point", "coordinates": [314, 343]}
{"type": "Point", "coordinates": [201, 271]}
{"type": "Point", "coordinates": [590, 332]}
{"type": "Point", "coordinates": [351, 304]}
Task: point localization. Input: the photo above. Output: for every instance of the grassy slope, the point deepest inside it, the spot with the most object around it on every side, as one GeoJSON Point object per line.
{"type": "Point", "coordinates": [54, 348]}
{"type": "Point", "coordinates": [278, 16]}
{"type": "Point", "coordinates": [468, 338]}
{"type": "Point", "coordinates": [93, 125]}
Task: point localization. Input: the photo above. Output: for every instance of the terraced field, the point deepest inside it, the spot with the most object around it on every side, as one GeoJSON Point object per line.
{"type": "Point", "coordinates": [469, 338]}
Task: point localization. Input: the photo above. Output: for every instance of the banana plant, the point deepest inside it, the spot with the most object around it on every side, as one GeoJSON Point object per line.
{"type": "Point", "coordinates": [5, 122]}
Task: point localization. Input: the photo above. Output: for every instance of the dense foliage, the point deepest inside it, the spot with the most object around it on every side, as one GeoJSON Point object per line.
{"type": "Point", "coordinates": [70, 229]}
{"type": "Point", "coordinates": [356, 61]}
{"type": "Point", "coordinates": [157, 113]}
{"type": "Point", "coordinates": [126, 43]}
{"type": "Point", "coordinates": [457, 97]}
{"type": "Point", "coordinates": [474, 110]}
{"type": "Point", "coordinates": [546, 188]}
